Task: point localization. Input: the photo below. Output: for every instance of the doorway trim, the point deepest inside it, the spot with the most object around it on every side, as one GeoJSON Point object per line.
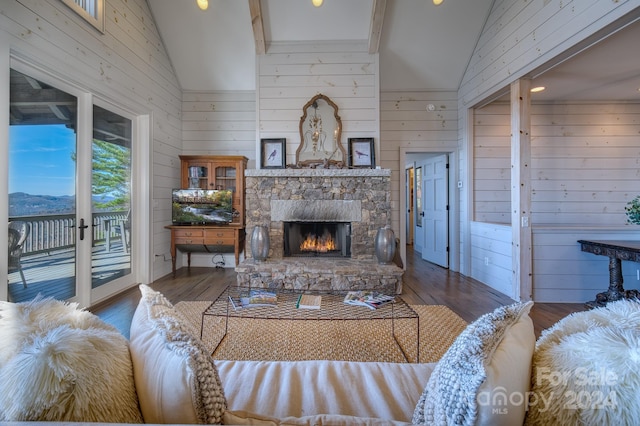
{"type": "Point", "coordinates": [454, 214]}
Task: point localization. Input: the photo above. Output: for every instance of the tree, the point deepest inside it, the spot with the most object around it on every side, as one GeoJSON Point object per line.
{"type": "Point", "coordinates": [110, 181]}
{"type": "Point", "coordinates": [111, 174]}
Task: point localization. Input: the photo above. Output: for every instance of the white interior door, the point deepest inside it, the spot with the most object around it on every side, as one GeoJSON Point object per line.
{"type": "Point", "coordinates": [435, 205]}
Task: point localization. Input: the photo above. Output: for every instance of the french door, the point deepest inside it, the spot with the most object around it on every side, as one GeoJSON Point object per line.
{"type": "Point", "coordinates": [69, 160]}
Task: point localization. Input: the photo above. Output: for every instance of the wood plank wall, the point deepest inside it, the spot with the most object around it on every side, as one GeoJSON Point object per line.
{"type": "Point", "coordinates": [491, 256]}
{"type": "Point", "coordinates": [290, 74]}
{"type": "Point", "coordinates": [584, 165]}
{"type": "Point", "coordinates": [518, 38]}
{"type": "Point", "coordinates": [219, 123]}
{"type": "Point", "coordinates": [584, 171]}
{"type": "Point", "coordinates": [561, 271]}
{"type": "Point", "coordinates": [405, 123]}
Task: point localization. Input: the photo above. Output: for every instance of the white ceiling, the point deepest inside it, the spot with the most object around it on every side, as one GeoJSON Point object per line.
{"type": "Point", "coordinates": [215, 50]}
{"type": "Point", "coordinates": [422, 46]}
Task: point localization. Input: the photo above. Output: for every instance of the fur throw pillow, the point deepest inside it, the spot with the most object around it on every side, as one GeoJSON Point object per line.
{"type": "Point", "coordinates": [60, 363]}
{"type": "Point", "coordinates": [586, 368]}
{"type": "Point", "coordinates": [19, 322]}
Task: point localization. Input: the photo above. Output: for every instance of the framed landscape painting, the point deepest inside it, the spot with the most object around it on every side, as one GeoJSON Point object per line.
{"type": "Point", "coordinates": [361, 153]}
{"type": "Point", "coordinates": [273, 153]}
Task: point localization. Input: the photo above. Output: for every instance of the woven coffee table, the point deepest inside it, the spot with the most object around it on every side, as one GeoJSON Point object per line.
{"type": "Point", "coordinates": [332, 309]}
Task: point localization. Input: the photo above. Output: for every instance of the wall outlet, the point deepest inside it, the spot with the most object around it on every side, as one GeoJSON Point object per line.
{"type": "Point", "coordinates": [486, 261]}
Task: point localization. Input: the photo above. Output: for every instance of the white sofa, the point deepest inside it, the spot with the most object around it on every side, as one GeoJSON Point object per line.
{"type": "Point", "coordinates": [484, 378]}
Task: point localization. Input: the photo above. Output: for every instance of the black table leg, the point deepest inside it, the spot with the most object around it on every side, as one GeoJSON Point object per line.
{"type": "Point", "coordinates": [616, 290]}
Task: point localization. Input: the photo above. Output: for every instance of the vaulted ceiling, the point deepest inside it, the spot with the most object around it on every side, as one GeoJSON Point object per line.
{"type": "Point", "coordinates": [421, 46]}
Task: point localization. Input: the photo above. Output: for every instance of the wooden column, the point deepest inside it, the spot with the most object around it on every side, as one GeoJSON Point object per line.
{"type": "Point", "coordinates": [521, 190]}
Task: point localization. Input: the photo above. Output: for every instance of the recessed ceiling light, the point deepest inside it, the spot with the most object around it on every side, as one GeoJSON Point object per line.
{"type": "Point", "coordinates": [317, 3]}
{"type": "Point", "coordinates": [203, 4]}
{"type": "Point", "coordinates": [537, 89]}
{"type": "Point", "coordinates": [437, 2]}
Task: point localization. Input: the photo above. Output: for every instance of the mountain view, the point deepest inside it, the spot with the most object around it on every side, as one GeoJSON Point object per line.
{"type": "Point", "coordinates": [23, 204]}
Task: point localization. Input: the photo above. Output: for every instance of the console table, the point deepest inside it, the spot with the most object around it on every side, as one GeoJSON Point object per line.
{"type": "Point", "coordinates": [204, 239]}
{"type": "Point", "coordinates": [617, 251]}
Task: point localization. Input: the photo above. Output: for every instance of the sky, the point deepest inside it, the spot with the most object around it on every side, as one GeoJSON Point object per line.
{"type": "Point", "coordinates": [40, 160]}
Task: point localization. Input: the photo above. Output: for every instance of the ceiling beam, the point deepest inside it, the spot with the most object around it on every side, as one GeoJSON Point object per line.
{"type": "Point", "coordinates": [258, 29]}
{"type": "Point", "coordinates": [377, 18]}
{"type": "Point", "coordinates": [55, 109]}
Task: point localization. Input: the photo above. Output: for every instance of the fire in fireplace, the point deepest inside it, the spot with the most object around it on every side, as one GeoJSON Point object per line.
{"type": "Point", "coordinates": [327, 239]}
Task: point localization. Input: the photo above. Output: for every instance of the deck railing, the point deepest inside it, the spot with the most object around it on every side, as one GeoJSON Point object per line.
{"type": "Point", "coordinates": [56, 232]}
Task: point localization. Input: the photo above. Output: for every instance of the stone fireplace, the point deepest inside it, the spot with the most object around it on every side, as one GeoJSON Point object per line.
{"type": "Point", "coordinates": [351, 204]}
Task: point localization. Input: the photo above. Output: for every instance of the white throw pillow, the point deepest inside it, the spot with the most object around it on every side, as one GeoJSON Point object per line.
{"type": "Point", "coordinates": [176, 379]}
{"type": "Point", "coordinates": [484, 377]}
{"type": "Point", "coordinates": [20, 321]}
{"type": "Point", "coordinates": [586, 368]}
{"type": "Point", "coordinates": [60, 363]}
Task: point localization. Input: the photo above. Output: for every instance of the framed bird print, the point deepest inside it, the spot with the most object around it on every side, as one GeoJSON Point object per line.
{"type": "Point", "coordinates": [361, 153]}
{"type": "Point", "coordinates": [273, 153]}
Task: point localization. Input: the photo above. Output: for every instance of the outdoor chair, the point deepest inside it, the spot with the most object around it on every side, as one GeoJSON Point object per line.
{"type": "Point", "coordinates": [18, 232]}
{"type": "Point", "coordinates": [123, 228]}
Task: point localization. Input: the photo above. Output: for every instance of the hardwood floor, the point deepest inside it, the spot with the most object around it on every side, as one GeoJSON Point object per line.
{"type": "Point", "coordinates": [424, 284]}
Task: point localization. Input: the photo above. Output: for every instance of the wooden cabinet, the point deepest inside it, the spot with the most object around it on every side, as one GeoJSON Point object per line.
{"type": "Point", "coordinates": [211, 172]}
{"type": "Point", "coordinates": [217, 172]}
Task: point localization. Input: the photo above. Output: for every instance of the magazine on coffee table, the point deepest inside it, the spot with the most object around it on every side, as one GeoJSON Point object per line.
{"type": "Point", "coordinates": [254, 298]}
{"type": "Point", "coordinates": [369, 298]}
{"type": "Point", "coordinates": [262, 298]}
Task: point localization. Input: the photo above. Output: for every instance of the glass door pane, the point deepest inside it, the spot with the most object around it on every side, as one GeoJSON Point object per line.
{"type": "Point", "coordinates": [111, 197]}
{"type": "Point", "coordinates": [42, 196]}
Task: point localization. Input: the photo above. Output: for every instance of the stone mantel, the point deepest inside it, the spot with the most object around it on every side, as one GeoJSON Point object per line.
{"type": "Point", "coordinates": [319, 172]}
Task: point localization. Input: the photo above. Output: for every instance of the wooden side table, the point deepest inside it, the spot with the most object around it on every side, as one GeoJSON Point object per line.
{"type": "Point", "coordinates": [204, 239]}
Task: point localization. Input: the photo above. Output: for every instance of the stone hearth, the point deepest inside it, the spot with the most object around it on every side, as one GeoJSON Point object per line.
{"type": "Point", "coordinates": [320, 274]}
{"type": "Point", "coordinates": [360, 197]}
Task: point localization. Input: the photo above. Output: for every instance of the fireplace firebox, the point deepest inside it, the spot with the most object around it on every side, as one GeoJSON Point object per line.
{"type": "Point", "coordinates": [317, 239]}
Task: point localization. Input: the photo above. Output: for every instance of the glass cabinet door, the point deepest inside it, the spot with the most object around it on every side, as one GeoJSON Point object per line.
{"type": "Point", "coordinates": [198, 176]}
{"type": "Point", "coordinates": [225, 177]}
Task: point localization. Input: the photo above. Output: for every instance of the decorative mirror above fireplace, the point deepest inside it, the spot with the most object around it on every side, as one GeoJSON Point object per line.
{"type": "Point", "coordinates": [320, 134]}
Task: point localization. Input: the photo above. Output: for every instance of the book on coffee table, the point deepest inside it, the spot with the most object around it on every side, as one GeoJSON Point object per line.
{"type": "Point", "coordinates": [309, 301]}
{"type": "Point", "coordinates": [369, 298]}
